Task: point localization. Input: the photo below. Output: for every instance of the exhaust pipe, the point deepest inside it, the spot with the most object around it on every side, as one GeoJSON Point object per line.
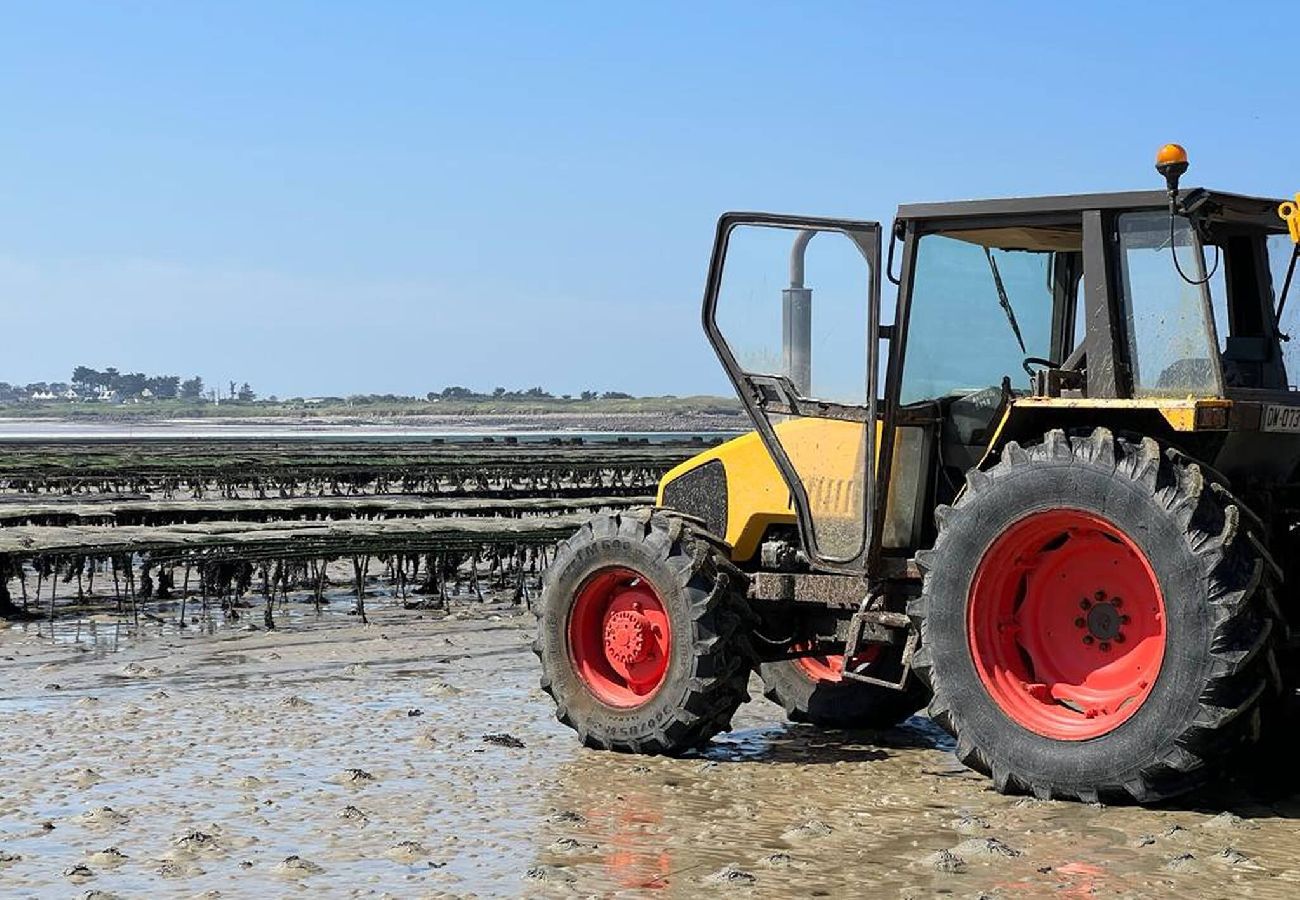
{"type": "Point", "coordinates": [796, 320]}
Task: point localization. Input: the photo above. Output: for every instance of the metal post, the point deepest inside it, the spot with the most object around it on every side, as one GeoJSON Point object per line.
{"type": "Point", "coordinates": [796, 320]}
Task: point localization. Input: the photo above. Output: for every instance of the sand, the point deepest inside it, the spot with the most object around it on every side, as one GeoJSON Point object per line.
{"type": "Point", "coordinates": [416, 757]}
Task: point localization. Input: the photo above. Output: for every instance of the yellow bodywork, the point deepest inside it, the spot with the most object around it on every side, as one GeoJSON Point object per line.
{"type": "Point", "coordinates": [828, 456]}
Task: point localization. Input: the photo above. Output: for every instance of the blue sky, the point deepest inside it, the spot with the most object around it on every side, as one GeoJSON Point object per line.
{"type": "Point", "coordinates": [330, 197]}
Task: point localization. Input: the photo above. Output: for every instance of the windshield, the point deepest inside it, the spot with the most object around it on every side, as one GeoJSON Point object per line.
{"type": "Point", "coordinates": [972, 309]}
{"type": "Point", "coordinates": [1172, 350]}
{"type": "Point", "coordinates": [1281, 250]}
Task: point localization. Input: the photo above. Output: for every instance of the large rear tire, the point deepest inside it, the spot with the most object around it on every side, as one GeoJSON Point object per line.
{"type": "Point", "coordinates": [1095, 622]}
{"type": "Point", "coordinates": [814, 690]}
{"type": "Point", "coordinates": [641, 634]}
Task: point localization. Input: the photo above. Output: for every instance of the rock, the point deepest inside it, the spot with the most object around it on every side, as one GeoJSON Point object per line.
{"type": "Point", "coordinates": [295, 865]}
{"type": "Point", "coordinates": [778, 860]}
{"type": "Point", "coordinates": [984, 847]}
{"type": "Point", "coordinates": [135, 670]}
{"type": "Point", "coordinates": [104, 816]}
{"type": "Point", "coordinates": [945, 861]}
{"type": "Point", "coordinates": [810, 829]}
{"type": "Point", "coordinates": [293, 701]}
{"type": "Point", "coordinates": [78, 872]}
{"type": "Point", "coordinates": [85, 778]}
{"type": "Point", "coordinates": [1183, 862]}
{"type": "Point", "coordinates": [550, 873]}
{"type": "Point", "coordinates": [1233, 857]}
{"type": "Point", "coordinates": [352, 814]}
{"type": "Point", "coordinates": [1226, 821]}
{"type": "Point", "coordinates": [406, 851]}
{"type": "Point", "coordinates": [969, 823]}
{"type": "Point", "coordinates": [503, 739]}
{"type": "Point", "coordinates": [8, 859]}
{"type": "Point", "coordinates": [413, 712]}
{"type": "Point", "coordinates": [356, 776]}
{"type": "Point", "coordinates": [568, 815]}
{"type": "Point", "coordinates": [109, 856]}
{"type": "Point", "coordinates": [573, 845]}
{"type": "Point", "coordinates": [729, 874]}
{"type": "Point", "coordinates": [196, 841]}
{"type": "Point", "coordinates": [178, 870]}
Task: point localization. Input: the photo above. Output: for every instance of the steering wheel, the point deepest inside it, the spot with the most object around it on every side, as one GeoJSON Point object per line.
{"type": "Point", "coordinates": [1031, 361]}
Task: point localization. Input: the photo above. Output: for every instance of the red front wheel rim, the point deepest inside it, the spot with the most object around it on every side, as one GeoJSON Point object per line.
{"type": "Point", "coordinates": [619, 637]}
{"type": "Point", "coordinates": [1066, 624]}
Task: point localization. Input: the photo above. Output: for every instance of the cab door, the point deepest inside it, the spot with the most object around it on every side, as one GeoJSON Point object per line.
{"type": "Point", "coordinates": [792, 308]}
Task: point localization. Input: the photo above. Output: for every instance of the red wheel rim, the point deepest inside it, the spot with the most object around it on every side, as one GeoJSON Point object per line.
{"type": "Point", "coordinates": [619, 637]}
{"type": "Point", "coordinates": [1066, 624]}
{"type": "Point", "coordinates": [831, 668]}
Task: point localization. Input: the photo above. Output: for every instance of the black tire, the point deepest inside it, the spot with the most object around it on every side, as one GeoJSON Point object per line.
{"type": "Point", "coordinates": [708, 659]}
{"type": "Point", "coordinates": [837, 704]}
{"type": "Point", "coordinates": [1219, 614]}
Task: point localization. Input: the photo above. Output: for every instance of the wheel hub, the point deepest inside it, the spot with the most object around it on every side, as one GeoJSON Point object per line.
{"type": "Point", "coordinates": [626, 632]}
{"type": "Point", "coordinates": [1103, 622]}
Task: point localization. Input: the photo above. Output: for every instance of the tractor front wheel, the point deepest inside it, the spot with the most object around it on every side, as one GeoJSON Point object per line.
{"type": "Point", "coordinates": [1096, 622]}
{"type": "Point", "coordinates": [641, 634]}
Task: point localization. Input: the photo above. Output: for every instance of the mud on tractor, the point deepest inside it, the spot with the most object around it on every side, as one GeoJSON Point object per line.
{"type": "Point", "coordinates": [1052, 493]}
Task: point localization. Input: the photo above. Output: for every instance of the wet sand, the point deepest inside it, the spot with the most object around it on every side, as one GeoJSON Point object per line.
{"type": "Point", "coordinates": [415, 757]}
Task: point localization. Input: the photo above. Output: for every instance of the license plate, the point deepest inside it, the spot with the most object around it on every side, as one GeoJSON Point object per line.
{"type": "Point", "coordinates": [1281, 418]}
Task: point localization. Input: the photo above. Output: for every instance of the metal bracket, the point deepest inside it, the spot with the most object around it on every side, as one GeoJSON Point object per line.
{"type": "Point", "coordinates": [878, 626]}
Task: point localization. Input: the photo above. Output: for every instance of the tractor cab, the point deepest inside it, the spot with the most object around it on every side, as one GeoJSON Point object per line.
{"type": "Point", "coordinates": [1167, 317]}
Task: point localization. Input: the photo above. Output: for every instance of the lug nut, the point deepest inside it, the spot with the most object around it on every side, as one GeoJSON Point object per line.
{"type": "Point", "coordinates": [1117, 602]}
{"type": "Point", "coordinates": [1105, 647]}
{"type": "Point", "coordinates": [1085, 603]}
{"type": "Point", "coordinates": [1124, 620]}
{"type": "Point", "coordinates": [1079, 623]}
{"type": "Point", "coordinates": [1119, 639]}
{"type": "Point", "coordinates": [1087, 639]}
{"type": "Point", "coordinates": [1099, 596]}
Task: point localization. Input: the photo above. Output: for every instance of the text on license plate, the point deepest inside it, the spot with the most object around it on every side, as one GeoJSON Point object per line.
{"type": "Point", "coordinates": [1281, 418]}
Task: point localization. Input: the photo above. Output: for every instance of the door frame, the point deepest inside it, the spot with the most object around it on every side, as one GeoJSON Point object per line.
{"type": "Point", "coordinates": [762, 393]}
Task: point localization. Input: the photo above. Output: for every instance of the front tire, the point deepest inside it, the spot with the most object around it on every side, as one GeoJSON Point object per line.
{"type": "Point", "coordinates": [641, 634]}
{"type": "Point", "coordinates": [1095, 622]}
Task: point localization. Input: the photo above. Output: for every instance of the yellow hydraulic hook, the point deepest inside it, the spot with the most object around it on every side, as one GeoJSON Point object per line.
{"type": "Point", "coordinates": [1291, 213]}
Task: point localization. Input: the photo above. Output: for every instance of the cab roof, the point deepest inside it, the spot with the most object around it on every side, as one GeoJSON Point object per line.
{"type": "Point", "coordinates": [1261, 211]}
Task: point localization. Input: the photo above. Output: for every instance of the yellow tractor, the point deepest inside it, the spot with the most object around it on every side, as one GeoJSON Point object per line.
{"type": "Point", "coordinates": [1051, 493]}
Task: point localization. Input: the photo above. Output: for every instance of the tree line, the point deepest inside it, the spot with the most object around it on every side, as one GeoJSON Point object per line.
{"type": "Point", "coordinates": [113, 386]}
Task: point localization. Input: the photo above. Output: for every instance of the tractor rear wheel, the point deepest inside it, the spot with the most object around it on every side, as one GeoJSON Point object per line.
{"type": "Point", "coordinates": [1096, 622]}
{"type": "Point", "coordinates": [641, 634]}
{"type": "Point", "coordinates": [813, 689]}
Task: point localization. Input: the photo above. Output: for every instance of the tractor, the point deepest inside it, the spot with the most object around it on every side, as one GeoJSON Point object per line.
{"type": "Point", "coordinates": [1052, 493]}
